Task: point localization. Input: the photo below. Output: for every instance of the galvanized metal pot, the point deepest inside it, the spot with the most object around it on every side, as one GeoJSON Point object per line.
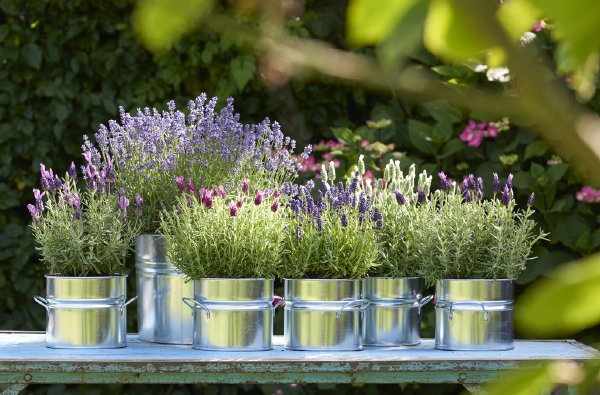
{"type": "Point", "coordinates": [162, 318]}
{"type": "Point", "coordinates": [393, 316]}
{"type": "Point", "coordinates": [233, 314]}
{"type": "Point", "coordinates": [323, 314]}
{"type": "Point", "coordinates": [474, 315]}
{"type": "Point", "coordinates": [85, 312]}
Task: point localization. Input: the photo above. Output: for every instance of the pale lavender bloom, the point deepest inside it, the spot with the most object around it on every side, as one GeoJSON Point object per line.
{"type": "Point", "coordinates": [138, 204]}
{"type": "Point", "coordinates": [123, 204]}
{"type": "Point", "coordinates": [299, 234]}
{"type": "Point", "coordinates": [531, 199]}
{"type": "Point", "coordinates": [32, 210]}
{"type": "Point", "coordinates": [509, 181]}
{"type": "Point", "coordinates": [480, 185]}
{"type": "Point", "coordinates": [39, 204]}
{"type": "Point", "coordinates": [73, 171]}
{"type": "Point", "coordinates": [77, 207]}
{"type": "Point", "coordinates": [496, 184]}
{"type": "Point", "coordinates": [180, 183]}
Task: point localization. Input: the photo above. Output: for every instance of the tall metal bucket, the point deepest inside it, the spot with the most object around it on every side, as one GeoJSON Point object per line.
{"type": "Point", "coordinates": [162, 318]}
{"type": "Point", "coordinates": [232, 314]}
{"type": "Point", "coordinates": [85, 312]}
{"type": "Point", "coordinates": [393, 316]}
{"type": "Point", "coordinates": [323, 314]}
{"type": "Point", "coordinates": [474, 315]}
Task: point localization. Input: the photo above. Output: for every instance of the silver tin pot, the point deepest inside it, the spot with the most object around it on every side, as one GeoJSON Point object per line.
{"type": "Point", "coordinates": [474, 315]}
{"type": "Point", "coordinates": [393, 316]}
{"type": "Point", "coordinates": [162, 318]}
{"type": "Point", "coordinates": [233, 314]}
{"type": "Point", "coordinates": [323, 314]}
{"type": "Point", "coordinates": [85, 312]}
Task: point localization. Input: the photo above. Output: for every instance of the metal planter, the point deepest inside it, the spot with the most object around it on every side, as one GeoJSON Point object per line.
{"type": "Point", "coordinates": [85, 312]}
{"type": "Point", "coordinates": [474, 315]}
{"type": "Point", "coordinates": [323, 314]}
{"type": "Point", "coordinates": [232, 314]}
{"type": "Point", "coordinates": [393, 316]}
{"type": "Point", "coordinates": [162, 318]}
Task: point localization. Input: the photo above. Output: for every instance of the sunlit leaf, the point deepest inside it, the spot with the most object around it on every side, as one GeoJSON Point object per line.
{"type": "Point", "coordinates": [451, 34]}
{"type": "Point", "coordinates": [521, 382]}
{"type": "Point", "coordinates": [564, 303]}
{"type": "Point", "coordinates": [370, 21]}
{"type": "Point", "coordinates": [161, 23]}
{"type": "Point", "coordinates": [518, 16]}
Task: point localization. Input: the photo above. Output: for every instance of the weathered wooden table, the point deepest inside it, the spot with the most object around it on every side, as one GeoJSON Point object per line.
{"type": "Point", "coordinates": [25, 360]}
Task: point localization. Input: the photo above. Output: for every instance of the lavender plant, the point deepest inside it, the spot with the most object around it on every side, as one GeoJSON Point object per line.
{"type": "Point", "coordinates": [224, 234]}
{"type": "Point", "coordinates": [462, 235]}
{"type": "Point", "coordinates": [334, 236]}
{"type": "Point", "coordinates": [212, 148]}
{"type": "Point", "coordinates": [87, 231]}
{"type": "Point", "coordinates": [401, 198]}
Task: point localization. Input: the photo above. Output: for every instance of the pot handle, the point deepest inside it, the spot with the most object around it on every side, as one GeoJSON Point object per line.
{"type": "Point", "coordinates": [424, 301]}
{"type": "Point", "coordinates": [486, 314]}
{"type": "Point", "coordinates": [363, 303]}
{"type": "Point", "coordinates": [193, 303]}
{"type": "Point", "coordinates": [128, 302]}
{"type": "Point", "coordinates": [277, 301]}
{"type": "Point", "coordinates": [42, 302]}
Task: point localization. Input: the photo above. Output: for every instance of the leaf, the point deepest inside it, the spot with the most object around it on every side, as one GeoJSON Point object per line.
{"type": "Point", "coordinates": [345, 135]}
{"type": "Point", "coordinates": [450, 34]}
{"type": "Point", "coordinates": [418, 133]}
{"type": "Point", "coordinates": [533, 380]}
{"type": "Point", "coordinates": [369, 21]}
{"type": "Point", "coordinates": [32, 55]}
{"type": "Point", "coordinates": [441, 111]}
{"type": "Point", "coordinates": [159, 24]}
{"type": "Point", "coordinates": [243, 69]}
{"type": "Point", "coordinates": [452, 147]}
{"type": "Point", "coordinates": [535, 149]}
{"type": "Point", "coordinates": [564, 303]}
{"type": "Point", "coordinates": [442, 131]}
{"type": "Point", "coordinates": [556, 172]}
{"type": "Point", "coordinates": [567, 229]}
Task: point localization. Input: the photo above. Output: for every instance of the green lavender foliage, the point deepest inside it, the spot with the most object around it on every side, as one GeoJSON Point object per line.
{"type": "Point", "coordinates": [95, 245]}
{"type": "Point", "coordinates": [211, 243]}
{"type": "Point", "coordinates": [479, 239]}
{"type": "Point", "coordinates": [397, 256]}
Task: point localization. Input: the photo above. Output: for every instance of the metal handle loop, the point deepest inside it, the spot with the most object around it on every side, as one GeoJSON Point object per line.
{"type": "Point", "coordinates": [486, 313]}
{"type": "Point", "coordinates": [193, 303]}
{"type": "Point", "coordinates": [363, 303]}
{"type": "Point", "coordinates": [423, 301]}
{"type": "Point", "coordinates": [42, 302]}
{"type": "Point", "coordinates": [128, 302]}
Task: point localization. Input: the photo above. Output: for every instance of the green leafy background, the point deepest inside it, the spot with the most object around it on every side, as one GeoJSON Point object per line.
{"type": "Point", "coordinates": [66, 66]}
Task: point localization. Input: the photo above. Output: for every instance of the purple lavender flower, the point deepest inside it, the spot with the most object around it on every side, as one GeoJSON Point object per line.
{"type": "Point", "coordinates": [233, 209]}
{"type": "Point", "coordinates": [138, 204]}
{"type": "Point", "coordinates": [299, 234]}
{"type": "Point", "coordinates": [207, 200]}
{"type": "Point", "coordinates": [421, 198]}
{"type": "Point", "coordinates": [275, 205]}
{"type": "Point", "coordinates": [471, 183]}
{"type": "Point", "coordinates": [505, 196]}
{"type": "Point", "coordinates": [239, 203]}
{"type": "Point", "coordinates": [258, 198]}
{"type": "Point", "coordinates": [319, 221]}
{"type": "Point", "coordinates": [496, 184]}
{"type": "Point", "coordinates": [32, 210]}
{"type": "Point", "coordinates": [73, 171]}
{"type": "Point", "coordinates": [467, 196]}
{"type": "Point", "coordinates": [362, 203]}
{"type": "Point", "coordinates": [444, 182]}
{"type": "Point", "coordinates": [123, 204]}
{"type": "Point", "coordinates": [47, 178]}
{"type": "Point", "coordinates": [399, 197]}
{"type": "Point", "coordinates": [76, 207]}
{"type": "Point", "coordinates": [344, 220]}
{"type": "Point", "coordinates": [378, 224]}
{"type": "Point", "coordinates": [531, 199]}
{"type": "Point", "coordinates": [509, 181]}
{"type": "Point", "coordinates": [246, 186]}
{"type": "Point", "coordinates": [190, 186]}
{"type": "Point", "coordinates": [39, 204]}
{"type": "Point", "coordinates": [354, 183]}
{"type": "Point", "coordinates": [180, 183]}
{"type": "Point", "coordinates": [480, 185]}
{"type": "Point", "coordinates": [296, 205]}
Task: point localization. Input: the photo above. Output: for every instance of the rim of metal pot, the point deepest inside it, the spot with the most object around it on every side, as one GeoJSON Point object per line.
{"type": "Point", "coordinates": [235, 279]}
{"type": "Point", "coordinates": [323, 279]}
{"type": "Point", "coordinates": [85, 277]}
{"type": "Point", "coordinates": [476, 279]}
{"type": "Point", "coordinates": [392, 278]}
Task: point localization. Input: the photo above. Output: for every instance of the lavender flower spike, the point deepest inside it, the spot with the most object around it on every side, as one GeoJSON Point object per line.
{"type": "Point", "coordinates": [344, 220]}
{"type": "Point", "coordinates": [509, 181]}
{"type": "Point", "coordinates": [233, 209]}
{"type": "Point", "coordinates": [505, 196]}
{"type": "Point", "coordinates": [73, 171]}
{"type": "Point", "coordinates": [421, 198]}
{"type": "Point", "coordinates": [123, 204]}
{"type": "Point", "coordinates": [399, 197]}
{"type": "Point", "coordinates": [531, 199]}
{"type": "Point", "coordinates": [496, 184]}
{"type": "Point", "coordinates": [258, 198]}
{"type": "Point", "coordinates": [275, 205]}
{"type": "Point", "coordinates": [138, 204]}
{"type": "Point", "coordinates": [444, 183]}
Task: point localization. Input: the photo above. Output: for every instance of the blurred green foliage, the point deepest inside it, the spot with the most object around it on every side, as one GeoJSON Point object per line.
{"type": "Point", "coordinates": [65, 67]}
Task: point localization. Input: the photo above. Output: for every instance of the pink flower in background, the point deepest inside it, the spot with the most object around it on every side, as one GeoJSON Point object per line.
{"type": "Point", "coordinates": [336, 163]}
{"type": "Point", "coordinates": [473, 134]}
{"type": "Point", "coordinates": [332, 143]}
{"type": "Point", "coordinates": [492, 132]}
{"type": "Point", "coordinates": [368, 174]}
{"type": "Point", "coordinates": [588, 194]}
{"type": "Point", "coordinates": [364, 143]}
{"type": "Point", "coordinates": [309, 164]}
{"type": "Point", "coordinates": [327, 156]}
{"type": "Point", "coordinates": [539, 26]}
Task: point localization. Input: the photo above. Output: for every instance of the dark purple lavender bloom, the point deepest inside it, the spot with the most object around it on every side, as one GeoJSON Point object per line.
{"type": "Point", "coordinates": [190, 186]}
{"type": "Point", "coordinates": [378, 224]}
{"type": "Point", "coordinates": [299, 234]}
{"type": "Point", "coordinates": [465, 184]}
{"type": "Point", "coordinates": [296, 205]}
{"type": "Point", "coordinates": [258, 198]}
{"type": "Point", "coordinates": [76, 207]}
{"type": "Point", "coordinates": [471, 183]}
{"type": "Point", "coordinates": [246, 186]}
{"type": "Point", "coordinates": [480, 185]}
{"type": "Point", "coordinates": [362, 203]}
{"type": "Point", "coordinates": [509, 181]}
{"type": "Point", "coordinates": [207, 200]}
{"type": "Point", "coordinates": [421, 198]}
{"type": "Point", "coordinates": [138, 204]}
{"type": "Point", "coordinates": [496, 184]}
{"type": "Point", "coordinates": [319, 222]}
{"type": "Point", "coordinates": [239, 203]}
{"type": "Point", "coordinates": [505, 196]}
{"type": "Point", "coordinates": [354, 183]}
{"type": "Point", "coordinates": [233, 209]}
{"type": "Point", "coordinates": [344, 220]}
{"type": "Point", "coordinates": [531, 199]}
{"type": "Point", "coordinates": [444, 183]}
{"type": "Point", "coordinates": [275, 205]}
{"type": "Point", "coordinates": [73, 171]}
{"type": "Point", "coordinates": [123, 204]}
{"type": "Point", "coordinates": [399, 197]}
{"type": "Point", "coordinates": [321, 205]}
{"type": "Point", "coordinates": [180, 183]}
{"type": "Point", "coordinates": [376, 215]}
{"type": "Point", "coordinates": [467, 196]}
{"type": "Point", "coordinates": [276, 193]}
